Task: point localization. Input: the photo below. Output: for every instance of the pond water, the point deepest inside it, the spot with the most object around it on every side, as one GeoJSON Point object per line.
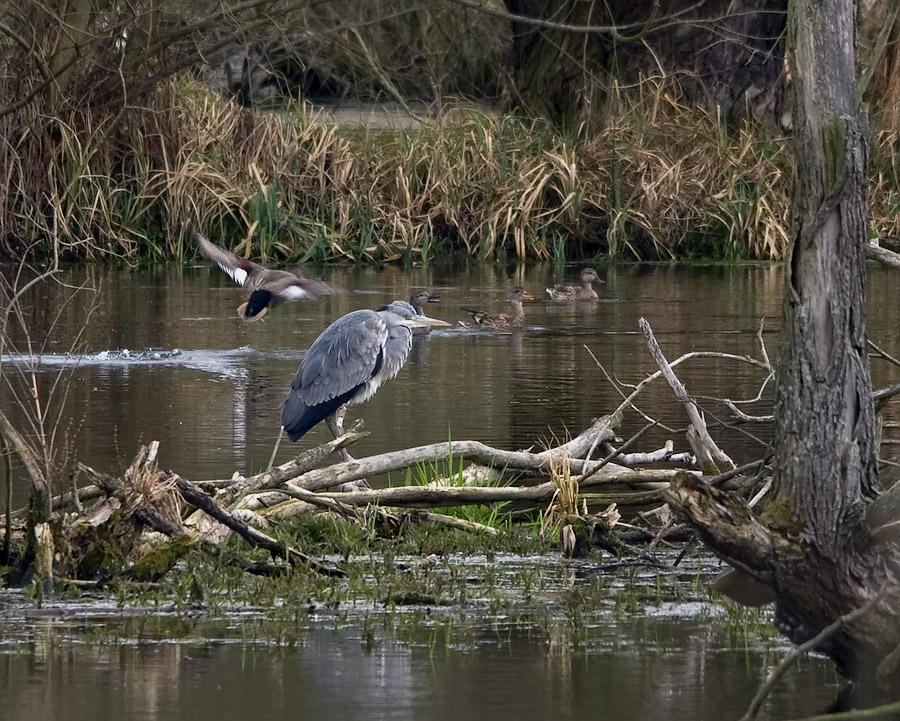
{"type": "Point", "coordinates": [568, 654]}
{"type": "Point", "coordinates": [163, 357]}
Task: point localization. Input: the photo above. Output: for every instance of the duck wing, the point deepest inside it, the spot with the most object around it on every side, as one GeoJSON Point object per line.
{"type": "Point", "coordinates": [240, 270]}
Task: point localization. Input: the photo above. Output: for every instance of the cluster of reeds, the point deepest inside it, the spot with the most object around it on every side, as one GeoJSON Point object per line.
{"type": "Point", "coordinates": [661, 181]}
{"type": "Point", "coordinates": [884, 188]}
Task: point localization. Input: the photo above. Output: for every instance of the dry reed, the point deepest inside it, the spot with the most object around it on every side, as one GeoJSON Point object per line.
{"type": "Point", "coordinates": [661, 181]}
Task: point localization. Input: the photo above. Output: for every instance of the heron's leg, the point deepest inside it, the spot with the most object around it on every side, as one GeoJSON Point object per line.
{"type": "Point", "coordinates": [335, 422]}
{"type": "Point", "coordinates": [275, 449]}
{"type": "Point", "coordinates": [336, 425]}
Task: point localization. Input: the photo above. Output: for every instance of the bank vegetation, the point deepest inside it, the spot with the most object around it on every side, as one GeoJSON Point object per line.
{"type": "Point", "coordinates": [507, 137]}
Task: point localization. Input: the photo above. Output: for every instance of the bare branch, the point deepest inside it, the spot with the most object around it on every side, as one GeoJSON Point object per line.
{"type": "Point", "coordinates": [798, 651]}
{"type": "Point", "coordinates": [882, 255]}
{"type": "Point", "coordinates": [708, 453]}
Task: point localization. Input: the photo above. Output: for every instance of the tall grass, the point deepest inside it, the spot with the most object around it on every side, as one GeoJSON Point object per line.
{"type": "Point", "coordinates": [661, 181]}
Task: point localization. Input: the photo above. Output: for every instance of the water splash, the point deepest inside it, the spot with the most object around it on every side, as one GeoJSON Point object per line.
{"type": "Point", "coordinates": [224, 363]}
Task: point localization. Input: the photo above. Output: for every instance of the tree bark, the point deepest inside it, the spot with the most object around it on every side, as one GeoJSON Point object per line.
{"type": "Point", "coordinates": [813, 544]}
{"type": "Point", "coordinates": [726, 53]}
{"type": "Point", "coordinates": [548, 65]}
{"type": "Point", "coordinates": [825, 460]}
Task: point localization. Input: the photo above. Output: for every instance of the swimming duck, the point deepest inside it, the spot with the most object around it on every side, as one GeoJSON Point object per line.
{"type": "Point", "coordinates": [502, 321]}
{"type": "Point", "coordinates": [572, 292]}
{"type": "Point", "coordinates": [418, 300]}
{"type": "Point", "coordinates": [270, 287]}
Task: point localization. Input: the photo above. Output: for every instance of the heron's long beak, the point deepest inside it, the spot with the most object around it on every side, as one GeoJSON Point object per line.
{"type": "Point", "coordinates": [423, 321]}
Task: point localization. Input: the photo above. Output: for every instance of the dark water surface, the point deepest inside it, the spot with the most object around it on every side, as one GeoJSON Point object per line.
{"type": "Point", "coordinates": [165, 358]}
{"type": "Point", "coordinates": [669, 660]}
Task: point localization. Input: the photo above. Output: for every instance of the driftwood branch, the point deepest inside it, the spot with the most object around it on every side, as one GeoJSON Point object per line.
{"type": "Point", "coordinates": [474, 451]}
{"type": "Point", "coordinates": [882, 255]}
{"type": "Point", "coordinates": [275, 477]}
{"type": "Point", "coordinates": [321, 501]}
{"type": "Point", "coordinates": [206, 503]}
{"type": "Point", "coordinates": [711, 458]}
{"type": "Point", "coordinates": [666, 454]}
{"type": "Point", "coordinates": [429, 497]}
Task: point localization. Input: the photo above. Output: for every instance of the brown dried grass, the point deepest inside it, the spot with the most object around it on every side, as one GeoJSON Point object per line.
{"type": "Point", "coordinates": [661, 181]}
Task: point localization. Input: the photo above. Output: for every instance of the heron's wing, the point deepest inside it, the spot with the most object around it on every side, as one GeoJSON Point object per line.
{"type": "Point", "coordinates": [344, 356]}
{"type": "Point", "coordinates": [241, 270]}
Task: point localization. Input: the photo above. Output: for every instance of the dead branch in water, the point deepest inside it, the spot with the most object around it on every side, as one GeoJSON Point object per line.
{"type": "Point", "coordinates": [473, 451]}
{"type": "Point", "coordinates": [140, 506]}
{"type": "Point", "coordinates": [711, 458]}
{"type": "Point", "coordinates": [526, 479]}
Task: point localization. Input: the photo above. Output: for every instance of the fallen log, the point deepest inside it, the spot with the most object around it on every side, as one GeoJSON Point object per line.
{"type": "Point", "coordinates": [430, 497]}
{"type": "Point", "coordinates": [572, 452]}
{"type": "Point", "coordinates": [206, 503]}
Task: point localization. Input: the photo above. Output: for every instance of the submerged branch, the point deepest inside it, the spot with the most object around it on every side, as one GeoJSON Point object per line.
{"type": "Point", "coordinates": [815, 642]}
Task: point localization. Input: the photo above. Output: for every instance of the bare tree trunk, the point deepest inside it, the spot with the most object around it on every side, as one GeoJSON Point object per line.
{"type": "Point", "coordinates": [549, 69]}
{"type": "Point", "coordinates": [732, 52]}
{"type": "Point", "coordinates": [814, 547]}
{"type": "Point", "coordinates": [826, 455]}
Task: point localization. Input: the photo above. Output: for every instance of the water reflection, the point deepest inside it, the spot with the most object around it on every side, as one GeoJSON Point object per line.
{"type": "Point", "coordinates": [650, 668]}
{"type": "Point", "coordinates": [215, 403]}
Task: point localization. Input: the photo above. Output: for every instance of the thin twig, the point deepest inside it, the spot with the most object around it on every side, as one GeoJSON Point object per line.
{"type": "Point", "coordinates": [813, 643]}
{"type": "Point", "coordinates": [630, 442]}
{"type": "Point", "coordinates": [739, 471]}
{"type": "Point", "coordinates": [883, 353]}
{"type": "Point", "coordinates": [628, 400]}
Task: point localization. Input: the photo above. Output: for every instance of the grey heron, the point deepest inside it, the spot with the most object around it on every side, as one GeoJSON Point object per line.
{"type": "Point", "coordinates": [270, 287]}
{"type": "Point", "coordinates": [347, 364]}
{"type": "Point", "coordinates": [573, 292]}
{"type": "Point", "coordinates": [502, 321]}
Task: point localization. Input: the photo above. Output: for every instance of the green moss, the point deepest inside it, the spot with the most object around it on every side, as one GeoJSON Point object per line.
{"type": "Point", "coordinates": [157, 563]}
{"type": "Point", "coordinates": [779, 517]}
{"type": "Point", "coordinates": [97, 559]}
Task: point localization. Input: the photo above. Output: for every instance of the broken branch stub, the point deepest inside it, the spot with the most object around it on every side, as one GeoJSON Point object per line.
{"type": "Point", "coordinates": [711, 459]}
